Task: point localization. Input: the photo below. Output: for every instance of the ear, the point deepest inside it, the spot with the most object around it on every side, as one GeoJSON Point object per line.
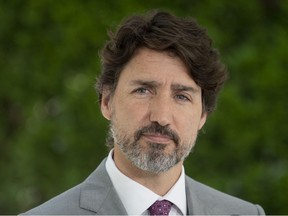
{"type": "Point", "coordinates": [202, 120]}
{"type": "Point", "coordinates": [106, 104]}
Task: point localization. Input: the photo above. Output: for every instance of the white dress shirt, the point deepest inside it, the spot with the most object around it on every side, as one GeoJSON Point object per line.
{"type": "Point", "coordinates": [137, 199]}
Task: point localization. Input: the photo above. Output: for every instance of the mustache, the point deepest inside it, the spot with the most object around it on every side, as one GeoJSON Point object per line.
{"type": "Point", "coordinates": [157, 128]}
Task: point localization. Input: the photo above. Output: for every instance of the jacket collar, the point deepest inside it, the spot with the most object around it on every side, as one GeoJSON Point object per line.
{"type": "Point", "coordinates": [193, 205]}
{"type": "Point", "coordinates": [98, 194]}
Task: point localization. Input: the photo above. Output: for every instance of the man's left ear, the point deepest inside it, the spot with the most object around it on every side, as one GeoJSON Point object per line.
{"type": "Point", "coordinates": [106, 104]}
{"type": "Point", "coordinates": [202, 120]}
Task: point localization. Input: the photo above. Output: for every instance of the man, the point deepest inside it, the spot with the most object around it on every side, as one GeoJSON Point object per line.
{"type": "Point", "coordinates": [159, 82]}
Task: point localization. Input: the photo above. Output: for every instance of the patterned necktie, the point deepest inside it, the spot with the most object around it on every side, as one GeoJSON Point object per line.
{"type": "Point", "coordinates": [162, 207]}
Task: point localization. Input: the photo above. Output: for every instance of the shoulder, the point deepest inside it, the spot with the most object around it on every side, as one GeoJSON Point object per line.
{"type": "Point", "coordinates": [66, 202]}
{"type": "Point", "coordinates": [212, 201]}
{"type": "Point", "coordinates": [77, 200]}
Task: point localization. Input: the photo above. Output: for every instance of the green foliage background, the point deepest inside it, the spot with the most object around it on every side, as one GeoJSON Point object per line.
{"type": "Point", "coordinates": [52, 133]}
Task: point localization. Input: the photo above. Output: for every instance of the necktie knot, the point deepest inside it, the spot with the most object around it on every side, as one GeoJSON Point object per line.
{"type": "Point", "coordinates": [162, 207]}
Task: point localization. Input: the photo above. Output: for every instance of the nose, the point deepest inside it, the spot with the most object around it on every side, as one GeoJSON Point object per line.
{"type": "Point", "coordinates": [161, 110]}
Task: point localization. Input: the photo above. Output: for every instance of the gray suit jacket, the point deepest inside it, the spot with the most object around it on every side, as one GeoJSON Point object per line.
{"type": "Point", "coordinates": [96, 195]}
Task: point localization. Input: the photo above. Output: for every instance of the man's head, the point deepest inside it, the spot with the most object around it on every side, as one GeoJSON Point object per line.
{"type": "Point", "coordinates": [159, 81]}
{"type": "Point", "coordinates": [162, 31]}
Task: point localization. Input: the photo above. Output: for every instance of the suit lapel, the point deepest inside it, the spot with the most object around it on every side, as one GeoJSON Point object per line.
{"type": "Point", "coordinates": [194, 204]}
{"type": "Point", "coordinates": [98, 194]}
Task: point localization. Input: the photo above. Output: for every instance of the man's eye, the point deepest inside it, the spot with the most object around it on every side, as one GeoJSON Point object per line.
{"type": "Point", "coordinates": [182, 98]}
{"type": "Point", "coordinates": [141, 91]}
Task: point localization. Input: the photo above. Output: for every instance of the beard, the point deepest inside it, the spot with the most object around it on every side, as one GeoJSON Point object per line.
{"type": "Point", "coordinates": [151, 157]}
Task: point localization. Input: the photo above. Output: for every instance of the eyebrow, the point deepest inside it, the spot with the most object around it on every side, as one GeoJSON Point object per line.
{"type": "Point", "coordinates": [155, 84]}
{"type": "Point", "coordinates": [152, 84]}
{"type": "Point", "coordinates": [180, 87]}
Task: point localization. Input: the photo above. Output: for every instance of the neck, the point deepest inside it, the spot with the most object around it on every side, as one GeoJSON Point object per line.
{"type": "Point", "coordinates": [159, 183]}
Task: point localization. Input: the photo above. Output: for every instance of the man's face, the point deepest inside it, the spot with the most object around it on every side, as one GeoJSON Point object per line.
{"type": "Point", "coordinates": [155, 111]}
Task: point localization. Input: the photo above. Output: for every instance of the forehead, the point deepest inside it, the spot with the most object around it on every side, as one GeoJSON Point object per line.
{"type": "Point", "coordinates": [161, 67]}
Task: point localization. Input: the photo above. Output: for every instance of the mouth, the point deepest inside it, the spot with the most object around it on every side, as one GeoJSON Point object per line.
{"type": "Point", "coordinates": [157, 138]}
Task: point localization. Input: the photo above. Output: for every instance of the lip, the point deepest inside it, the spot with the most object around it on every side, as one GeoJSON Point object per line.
{"type": "Point", "coordinates": [157, 138]}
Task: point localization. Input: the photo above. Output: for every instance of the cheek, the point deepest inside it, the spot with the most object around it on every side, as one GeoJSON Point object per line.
{"type": "Point", "coordinates": [190, 130]}
{"type": "Point", "coordinates": [137, 108]}
{"type": "Point", "coordinates": [130, 115]}
{"type": "Point", "coordinates": [188, 127]}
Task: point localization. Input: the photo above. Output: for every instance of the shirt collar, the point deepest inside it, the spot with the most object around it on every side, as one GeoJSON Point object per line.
{"type": "Point", "coordinates": [136, 198]}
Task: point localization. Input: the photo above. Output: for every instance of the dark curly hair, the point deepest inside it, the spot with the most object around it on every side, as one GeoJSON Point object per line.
{"type": "Point", "coordinates": [162, 31]}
